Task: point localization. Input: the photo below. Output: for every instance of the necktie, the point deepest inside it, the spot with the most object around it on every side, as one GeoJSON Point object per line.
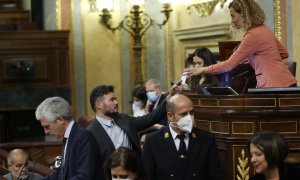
{"type": "Point", "coordinates": [63, 150]}
{"type": "Point", "coordinates": [182, 146]}
{"type": "Point", "coordinates": [62, 170]}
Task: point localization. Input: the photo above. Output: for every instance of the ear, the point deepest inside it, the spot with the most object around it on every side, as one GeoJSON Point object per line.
{"type": "Point", "coordinates": [60, 120]}
{"type": "Point", "coordinates": [98, 105]}
{"type": "Point", "coordinates": [170, 116]}
{"type": "Point", "coordinates": [9, 167]}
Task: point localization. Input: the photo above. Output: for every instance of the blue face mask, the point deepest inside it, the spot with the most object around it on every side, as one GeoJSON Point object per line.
{"type": "Point", "coordinates": [152, 96]}
{"type": "Point", "coordinates": [138, 103]}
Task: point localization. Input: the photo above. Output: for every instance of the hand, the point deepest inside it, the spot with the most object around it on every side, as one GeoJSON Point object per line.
{"type": "Point", "coordinates": [175, 89]}
{"type": "Point", "coordinates": [148, 105]}
{"type": "Point", "coordinates": [193, 71]}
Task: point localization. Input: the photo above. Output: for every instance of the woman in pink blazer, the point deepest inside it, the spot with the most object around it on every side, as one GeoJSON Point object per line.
{"type": "Point", "coordinates": [259, 45]}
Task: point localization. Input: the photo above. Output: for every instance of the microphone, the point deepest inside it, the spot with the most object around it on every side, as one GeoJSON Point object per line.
{"type": "Point", "coordinates": [247, 80]}
{"type": "Point", "coordinates": [239, 75]}
{"type": "Point", "coordinates": [20, 176]}
{"type": "Point", "coordinates": [234, 77]}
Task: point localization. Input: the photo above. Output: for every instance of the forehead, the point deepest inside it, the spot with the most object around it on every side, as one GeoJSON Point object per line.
{"type": "Point", "coordinates": [197, 59]}
{"type": "Point", "coordinates": [183, 106]}
{"type": "Point", "coordinates": [19, 158]}
{"type": "Point", "coordinates": [233, 11]}
{"type": "Point", "coordinates": [120, 170]}
{"type": "Point", "coordinates": [44, 122]}
{"type": "Point", "coordinates": [254, 148]}
{"type": "Point", "coordinates": [150, 86]}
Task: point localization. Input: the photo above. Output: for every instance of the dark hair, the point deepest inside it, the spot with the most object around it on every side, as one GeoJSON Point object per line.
{"type": "Point", "coordinates": [98, 92]}
{"type": "Point", "coordinates": [273, 145]}
{"type": "Point", "coordinates": [126, 158]}
{"type": "Point", "coordinates": [207, 56]}
{"type": "Point", "coordinates": [140, 93]}
{"type": "Point", "coordinates": [209, 59]}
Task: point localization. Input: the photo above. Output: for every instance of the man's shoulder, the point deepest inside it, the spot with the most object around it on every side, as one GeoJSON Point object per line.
{"type": "Point", "coordinates": [34, 176]}
{"type": "Point", "coordinates": [159, 134]}
{"type": "Point", "coordinates": [7, 176]}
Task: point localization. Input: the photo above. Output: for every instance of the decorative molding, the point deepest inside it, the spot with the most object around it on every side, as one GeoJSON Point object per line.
{"type": "Point", "coordinates": [169, 66]}
{"type": "Point", "coordinates": [242, 167]}
{"type": "Point", "coordinates": [203, 32]}
{"type": "Point", "coordinates": [58, 14]}
{"type": "Point", "coordinates": [277, 19]}
{"type": "Point", "coordinates": [206, 8]}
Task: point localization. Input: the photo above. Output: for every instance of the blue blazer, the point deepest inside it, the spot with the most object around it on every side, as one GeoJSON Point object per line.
{"type": "Point", "coordinates": [82, 159]}
{"type": "Point", "coordinates": [162, 162]}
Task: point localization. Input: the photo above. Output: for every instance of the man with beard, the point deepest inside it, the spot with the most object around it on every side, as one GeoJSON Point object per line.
{"type": "Point", "coordinates": [112, 129]}
{"type": "Point", "coordinates": [17, 161]}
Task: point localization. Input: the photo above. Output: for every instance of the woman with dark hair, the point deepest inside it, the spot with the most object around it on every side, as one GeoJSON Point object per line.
{"type": "Point", "coordinates": [202, 57]}
{"type": "Point", "coordinates": [139, 104]}
{"type": "Point", "coordinates": [268, 151]}
{"type": "Point", "coordinates": [124, 164]}
{"type": "Point", "coordinates": [264, 52]}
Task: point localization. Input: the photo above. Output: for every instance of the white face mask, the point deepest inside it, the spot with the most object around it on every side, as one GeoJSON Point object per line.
{"type": "Point", "coordinates": [185, 124]}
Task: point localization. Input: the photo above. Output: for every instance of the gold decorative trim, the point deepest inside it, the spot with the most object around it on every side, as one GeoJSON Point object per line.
{"type": "Point", "coordinates": [251, 123]}
{"type": "Point", "coordinates": [284, 132]}
{"type": "Point", "coordinates": [277, 19]}
{"type": "Point", "coordinates": [289, 105]}
{"type": "Point", "coordinates": [58, 14]}
{"type": "Point", "coordinates": [242, 167]}
{"type": "Point", "coordinates": [236, 164]}
{"type": "Point", "coordinates": [218, 102]}
{"type": "Point", "coordinates": [167, 55]}
{"type": "Point", "coordinates": [219, 122]}
{"type": "Point", "coordinates": [206, 8]}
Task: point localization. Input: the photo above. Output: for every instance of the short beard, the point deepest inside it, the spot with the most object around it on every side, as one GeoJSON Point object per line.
{"type": "Point", "coordinates": [111, 114]}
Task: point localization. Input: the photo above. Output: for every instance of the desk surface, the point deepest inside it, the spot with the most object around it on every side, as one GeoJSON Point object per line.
{"type": "Point", "coordinates": [275, 90]}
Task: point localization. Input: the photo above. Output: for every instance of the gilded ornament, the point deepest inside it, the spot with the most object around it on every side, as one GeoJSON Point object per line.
{"type": "Point", "coordinates": [243, 168]}
{"type": "Point", "coordinates": [166, 135]}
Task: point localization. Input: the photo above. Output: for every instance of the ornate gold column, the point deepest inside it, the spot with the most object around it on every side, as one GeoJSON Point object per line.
{"type": "Point", "coordinates": [280, 21]}
{"type": "Point", "coordinates": [58, 14]}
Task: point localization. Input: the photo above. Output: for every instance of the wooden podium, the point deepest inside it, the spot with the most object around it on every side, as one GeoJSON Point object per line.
{"type": "Point", "coordinates": [233, 120]}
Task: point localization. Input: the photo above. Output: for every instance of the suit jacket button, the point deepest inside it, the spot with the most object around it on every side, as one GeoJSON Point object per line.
{"type": "Point", "coordinates": [194, 174]}
{"type": "Point", "coordinates": [172, 175]}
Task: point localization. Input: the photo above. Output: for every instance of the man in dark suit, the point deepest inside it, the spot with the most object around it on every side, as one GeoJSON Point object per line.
{"type": "Point", "coordinates": [112, 129]}
{"type": "Point", "coordinates": [155, 97]}
{"type": "Point", "coordinates": [80, 153]}
{"type": "Point", "coordinates": [180, 151]}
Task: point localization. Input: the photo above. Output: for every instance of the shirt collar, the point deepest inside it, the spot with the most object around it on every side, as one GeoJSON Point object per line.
{"type": "Point", "coordinates": [68, 130]}
{"type": "Point", "coordinates": [174, 134]}
{"type": "Point", "coordinates": [105, 122]}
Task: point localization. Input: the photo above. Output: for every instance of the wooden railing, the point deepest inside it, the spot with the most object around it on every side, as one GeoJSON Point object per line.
{"type": "Point", "coordinates": [42, 154]}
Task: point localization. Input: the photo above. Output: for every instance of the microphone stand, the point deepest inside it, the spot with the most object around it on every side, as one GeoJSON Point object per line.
{"type": "Point", "coordinates": [19, 176]}
{"type": "Point", "coordinates": [247, 80]}
{"type": "Point", "coordinates": [237, 76]}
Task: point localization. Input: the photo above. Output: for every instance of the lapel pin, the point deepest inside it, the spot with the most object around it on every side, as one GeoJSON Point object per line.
{"type": "Point", "coordinates": [194, 135]}
{"type": "Point", "coordinates": [166, 135]}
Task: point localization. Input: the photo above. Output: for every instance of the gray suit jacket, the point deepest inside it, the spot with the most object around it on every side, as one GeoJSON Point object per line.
{"type": "Point", "coordinates": [31, 176]}
{"type": "Point", "coordinates": [131, 125]}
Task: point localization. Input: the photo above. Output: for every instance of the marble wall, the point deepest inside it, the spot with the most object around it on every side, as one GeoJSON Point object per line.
{"type": "Point", "coordinates": [103, 57]}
